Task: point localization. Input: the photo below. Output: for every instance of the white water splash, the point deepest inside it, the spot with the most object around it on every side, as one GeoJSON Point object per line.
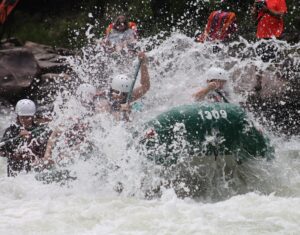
{"type": "Point", "coordinates": [260, 197]}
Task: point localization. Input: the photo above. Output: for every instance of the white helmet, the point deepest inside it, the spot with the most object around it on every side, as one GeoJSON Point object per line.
{"type": "Point", "coordinates": [121, 83]}
{"type": "Point", "coordinates": [86, 92]}
{"type": "Point", "coordinates": [217, 74]}
{"type": "Point", "coordinates": [25, 107]}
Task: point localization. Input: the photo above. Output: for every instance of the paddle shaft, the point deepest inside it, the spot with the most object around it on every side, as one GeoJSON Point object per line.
{"type": "Point", "coordinates": [223, 97]}
{"type": "Point", "coordinates": [129, 95]}
{"type": "Point", "coordinates": [17, 137]}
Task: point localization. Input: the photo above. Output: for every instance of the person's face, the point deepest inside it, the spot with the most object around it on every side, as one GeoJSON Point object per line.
{"type": "Point", "coordinates": [220, 83]}
{"type": "Point", "coordinates": [117, 95]}
{"type": "Point", "coordinates": [26, 121]}
{"type": "Point", "coordinates": [121, 24]}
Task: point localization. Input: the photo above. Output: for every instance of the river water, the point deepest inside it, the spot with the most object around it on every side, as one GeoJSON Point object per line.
{"type": "Point", "coordinates": [262, 197]}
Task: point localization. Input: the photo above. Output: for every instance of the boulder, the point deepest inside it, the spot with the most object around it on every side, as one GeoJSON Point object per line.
{"type": "Point", "coordinates": [31, 70]}
{"type": "Point", "coordinates": [50, 59]}
{"type": "Point", "coordinates": [18, 68]}
{"type": "Point", "coordinates": [50, 67]}
{"type": "Point", "coordinates": [37, 48]}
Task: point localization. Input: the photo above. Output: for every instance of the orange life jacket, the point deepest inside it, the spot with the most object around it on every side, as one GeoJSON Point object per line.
{"type": "Point", "coordinates": [6, 7]}
{"type": "Point", "coordinates": [131, 25]}
{"type": "Point", "coordinates": [220, 26]}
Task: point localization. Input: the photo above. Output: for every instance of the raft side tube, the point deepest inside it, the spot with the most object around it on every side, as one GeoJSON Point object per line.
{"type": "Point", "coordinates": [205, 129]}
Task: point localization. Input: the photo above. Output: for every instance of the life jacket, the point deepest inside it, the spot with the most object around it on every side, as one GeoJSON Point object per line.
{"type": "Point", "coordinates": [116, 37]}
{"type": "Point", "coordinates": [217, 96]}
{"type": "Point", "coordinates": [269, 26]}
{"type": "Point", "coordinates": [21, 152]}
{"type": "Point", "coordinates": [6, 7]}
{"type": "Point", "coordinates": [131, 25]}
{"type": "Point", "coordinates": [220, 26]}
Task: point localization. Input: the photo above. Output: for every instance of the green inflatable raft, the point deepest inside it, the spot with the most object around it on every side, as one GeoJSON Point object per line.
{"type": "Point", "coordinates": [204, 129]}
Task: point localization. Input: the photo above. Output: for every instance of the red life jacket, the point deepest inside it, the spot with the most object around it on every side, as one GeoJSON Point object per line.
{"type": "Point", "coordinates": [269, 26]}
{"type": "Point", "coordinates": [220, 26]}
{"type": "Point", "coordinates": [131, 25]}
{"type": "Point", "coordinates": [6, 7]}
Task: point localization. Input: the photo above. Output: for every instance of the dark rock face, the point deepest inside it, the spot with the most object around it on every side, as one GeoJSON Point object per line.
{"type": "Point", "coordinates": [32, 70]}
{"type": "Point", "coordinates": [18, 68]}
{"type": "Point", "coordinates": [48, 59]}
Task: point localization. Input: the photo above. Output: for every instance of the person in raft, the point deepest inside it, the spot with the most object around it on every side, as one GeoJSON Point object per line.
{"type": "Point", "coordinates": [121, 34]}
{"type": "Point", "coordinates": [73, 132]}
{"type": "Point", "coordinates": [24, 143]}
{"type": "Point", "coordinates": [269, 15]}
{"type": "Point", "coordinates": [215, 91]}
{"type": "Point", "coordinates": [118, 98]}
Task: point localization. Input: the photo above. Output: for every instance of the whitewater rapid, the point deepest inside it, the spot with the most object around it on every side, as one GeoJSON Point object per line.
{"type": "Point", "coordinates": [262, 198]}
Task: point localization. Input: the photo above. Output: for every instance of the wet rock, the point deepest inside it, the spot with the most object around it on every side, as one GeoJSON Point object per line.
{"type": "Point", "coordinates": [46, 57]}
{"type": "Point", "coordinates": [31, 70]}
{"type": "Point", "coordinates": [18, 68]}
{"type": "Point", "coordinates": [50, 59]}
{"type": "Point", "coordinates": [10, 43]}
{"type": "Point", "coordinates": [50, 67]}
{"type": "Point", "coordinates": [37, 48]}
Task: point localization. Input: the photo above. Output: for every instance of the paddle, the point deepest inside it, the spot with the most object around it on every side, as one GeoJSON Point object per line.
{"type": "Point", "coordinates": [129, 95]}
{"type": "Point", "coordinates": [17, 137]}
{"type": "Point", "coordinates": [223, 97]}
{"type": "Point", "coordinates": [137, 69]}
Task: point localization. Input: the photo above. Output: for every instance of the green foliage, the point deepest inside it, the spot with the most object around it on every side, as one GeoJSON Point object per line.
{"type": "Point", "coordinates": [65, 26]}
{"type": "Point", "coordinates": [47, 30]}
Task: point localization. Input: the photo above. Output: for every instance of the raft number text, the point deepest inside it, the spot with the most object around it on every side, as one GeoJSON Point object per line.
{"type": "Point", "coordinates": [213, 114]}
